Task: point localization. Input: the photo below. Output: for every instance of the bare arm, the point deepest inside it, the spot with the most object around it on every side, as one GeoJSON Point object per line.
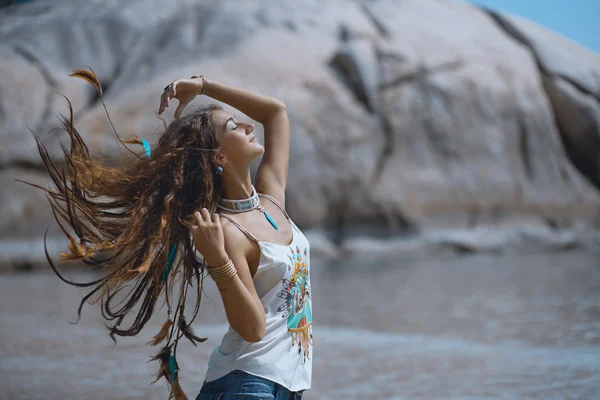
{"type": "Point", "coordinates": [271, 177]}
{"type": "Point", "coordinates": [272, 174]}
{"type": "Point", "coordinates": [243, 308]}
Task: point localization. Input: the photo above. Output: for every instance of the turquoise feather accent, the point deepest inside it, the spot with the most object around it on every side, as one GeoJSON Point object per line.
{"type": "Point", "coordinates": [165, 273]}
{"type": "Point", "coordinates": [172, 367]}
{"type": "Point", "coordinates": [271, 221]}
{"type": "Point", "coordinates": [146, 147]}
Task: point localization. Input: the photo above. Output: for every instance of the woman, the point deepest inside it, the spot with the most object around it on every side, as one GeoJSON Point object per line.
{"type": "Point", "coordinates": [136, 221]}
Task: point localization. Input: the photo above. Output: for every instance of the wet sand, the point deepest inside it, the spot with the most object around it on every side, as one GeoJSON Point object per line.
{"type": "Point", "coordinates": [502, 327]}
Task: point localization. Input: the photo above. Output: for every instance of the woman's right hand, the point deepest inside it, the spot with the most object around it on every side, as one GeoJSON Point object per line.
{"type": "Point", "coordinates": [184, 90]}
{"type": "Point", "coordinates": [208, 237]}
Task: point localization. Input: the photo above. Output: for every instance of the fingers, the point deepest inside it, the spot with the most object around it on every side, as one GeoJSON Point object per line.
{"type": "Point", "coordinates": [198, 218]}
{"type": "Point", "coordinates": [161, 107]}
{"type": "Point", "coordinates": [203, 218]}
{"type": "Point", "coordinates": [179, 110]}
{"type": "Point", "coordinates": [205, 215]}
{"type": "Point", "coordinates": [164, 102]}
{"type": "Point", "coordinates": [165, 98]}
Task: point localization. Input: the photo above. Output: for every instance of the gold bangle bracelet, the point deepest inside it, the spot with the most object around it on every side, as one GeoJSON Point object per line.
{"type": "Point", "coordinates": [223, 272]}
{"type": "Point", "coordinates": [226, 275]}
{"type": "Point", "coordinates": [203, 83]}
{"type": "Point", "coordinates": [230, 269]}
{"type": "Point", "coordinates": [220, 266]}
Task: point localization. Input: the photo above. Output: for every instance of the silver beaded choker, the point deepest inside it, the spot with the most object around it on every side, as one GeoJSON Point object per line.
{"type": "Point", "coordinates": [244, 205]}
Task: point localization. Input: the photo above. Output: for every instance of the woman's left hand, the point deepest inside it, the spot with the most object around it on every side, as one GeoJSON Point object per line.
{"type": "Point", "coordinates": [184, 90]}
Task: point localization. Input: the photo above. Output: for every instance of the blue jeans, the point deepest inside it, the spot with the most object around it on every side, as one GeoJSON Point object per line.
{"type": "Point", "coordinates": [240, 385]}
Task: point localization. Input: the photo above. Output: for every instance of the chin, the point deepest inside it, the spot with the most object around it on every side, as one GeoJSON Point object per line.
{"type": "Point", "coordinates": [254, 150]}
{"type": "Point", "coordinates": [260, 151]}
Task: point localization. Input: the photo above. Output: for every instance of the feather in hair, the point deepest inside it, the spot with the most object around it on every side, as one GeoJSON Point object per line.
{"type": "Point", "coordinates": [137, 140]}
{"type": "Point", "coordinates": [188, 332]}
{"type": "Point", "coordinates": [177, 392]}
{"type": "Point", "coordinates": [172, 254]}
{"type": "Point", "coordinates": [168, 369]}
{"type": "Point", "coordinates": [164, 358]}
{"type": "Point", "coordinates": [89, 76]}
{"type": "Point", "coordinates": [134, 140]}
{"type": "Point", "coordinates": [162, 334]}
{"type": "Point", "coordinates": [173, 367]}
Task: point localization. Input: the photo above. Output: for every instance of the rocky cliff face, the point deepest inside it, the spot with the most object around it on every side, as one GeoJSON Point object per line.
{"type": "Point", "coordinates": [405, 115]}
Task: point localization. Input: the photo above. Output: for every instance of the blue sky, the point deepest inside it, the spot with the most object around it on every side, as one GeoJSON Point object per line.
{"type": "Point", "coordinates": [578, 20]}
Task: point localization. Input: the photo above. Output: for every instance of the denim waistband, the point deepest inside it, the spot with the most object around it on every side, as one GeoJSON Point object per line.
{"type": "Point", "coordinates": [244, 384]}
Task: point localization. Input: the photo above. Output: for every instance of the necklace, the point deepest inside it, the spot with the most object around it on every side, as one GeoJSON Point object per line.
{"type": "Point", "coordinates": [244, 205]}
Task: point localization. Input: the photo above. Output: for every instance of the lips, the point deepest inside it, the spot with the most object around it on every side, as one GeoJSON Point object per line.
{"type": "Point", "coordinates": [254, 139]}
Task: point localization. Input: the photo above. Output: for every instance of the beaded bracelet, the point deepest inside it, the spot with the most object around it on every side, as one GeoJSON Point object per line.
{"type": "Point", "coordinates": [203, 83]}
{"type": "Point", "coordinates": [222, 273]}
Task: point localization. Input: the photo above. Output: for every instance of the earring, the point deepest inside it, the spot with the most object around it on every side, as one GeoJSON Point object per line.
{"type": "Point", "coordinates": [219, 170]}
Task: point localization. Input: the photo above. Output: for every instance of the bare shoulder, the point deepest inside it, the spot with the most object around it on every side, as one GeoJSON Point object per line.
{"type": "Point", "coordinates": [240, 247]}
{"type": "Point", "coordinates": [235, 240]}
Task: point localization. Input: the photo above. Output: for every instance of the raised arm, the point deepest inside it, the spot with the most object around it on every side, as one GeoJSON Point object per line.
{"type": "Point", "coordinates": [271, 177]}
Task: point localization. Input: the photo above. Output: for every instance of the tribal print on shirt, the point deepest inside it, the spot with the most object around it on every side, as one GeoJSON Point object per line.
{"type": "Point", "coordinates": [296, 293]}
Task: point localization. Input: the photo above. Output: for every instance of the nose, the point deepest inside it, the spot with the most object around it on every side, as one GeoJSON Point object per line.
{"type": "Point", "coordinates": [249, 128]}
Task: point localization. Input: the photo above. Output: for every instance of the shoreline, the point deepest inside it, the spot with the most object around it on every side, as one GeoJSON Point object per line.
{"type": "Point", "coordinates": [497, 238]}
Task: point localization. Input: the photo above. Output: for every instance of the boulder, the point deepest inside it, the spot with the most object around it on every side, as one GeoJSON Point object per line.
{"type": "Point", "coordinates": [573, 88]}
{"type": "Point", "coordinates": [405, 116]}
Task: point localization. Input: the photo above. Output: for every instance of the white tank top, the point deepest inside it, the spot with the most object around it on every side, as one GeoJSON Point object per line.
{"type": "Point", "coordinates": [282, 281]}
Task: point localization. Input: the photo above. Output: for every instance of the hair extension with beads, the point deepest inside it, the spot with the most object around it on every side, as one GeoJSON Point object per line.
{"type": "Point", "coordinates": [128, 221]}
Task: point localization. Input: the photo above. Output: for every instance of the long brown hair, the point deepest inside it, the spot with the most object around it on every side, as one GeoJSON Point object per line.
{"type": "Point", "coordinates": [130, 221]}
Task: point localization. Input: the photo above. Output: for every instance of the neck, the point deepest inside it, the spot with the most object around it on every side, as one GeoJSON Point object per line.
{"type": "Point", "coordinates": [237, 185]}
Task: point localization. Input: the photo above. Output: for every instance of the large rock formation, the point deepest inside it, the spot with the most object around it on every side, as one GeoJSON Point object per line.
{"type": "Point", "coordinates": [405, 115]}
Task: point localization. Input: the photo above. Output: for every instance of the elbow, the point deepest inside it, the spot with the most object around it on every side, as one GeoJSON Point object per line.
{"type": "Point", "coordinates": [280, 105]}
{"type": "Point", "coordinates": [256, 332]}
{"type": "Point", "coordinates": [274, 109]}
{"type": "Point", "coordinates": [277, 110]}
{"type": "Point", "coordinates": [254, 337]}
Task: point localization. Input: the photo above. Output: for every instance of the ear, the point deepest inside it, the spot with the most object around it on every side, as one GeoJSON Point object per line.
{"type": "Point", "coordinates": [219, 159]}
